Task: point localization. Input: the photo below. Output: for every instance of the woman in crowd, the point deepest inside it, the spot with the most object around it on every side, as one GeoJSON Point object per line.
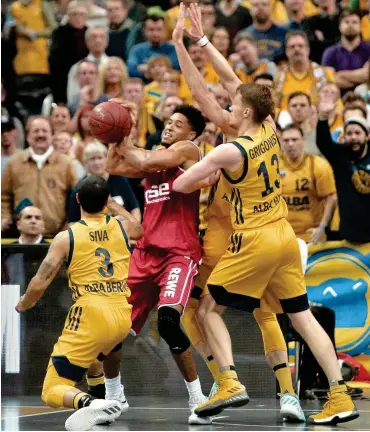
{"type": "Point", "coordinates": [112, 79]}
{"type": "Point", "coordinates": [95, 162]}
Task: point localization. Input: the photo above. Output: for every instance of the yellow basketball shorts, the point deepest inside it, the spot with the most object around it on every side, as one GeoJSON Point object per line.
{"type": "Point", "coordinates": [215, 240]}
{"type": "Point", "coordinates": [261, 268]}
{"type": "Point", "coordinates": [92, 330]}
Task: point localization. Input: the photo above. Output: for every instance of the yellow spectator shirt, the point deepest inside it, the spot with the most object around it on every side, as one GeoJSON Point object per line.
{"type": "Point", "coordinates": [210, 77]}
{"type": "Point", "coordinates": [287, 82]}
{"type": "Point", "coordinates": [365, 28]}
{"type": "Point", "coordinates": [304, 187]}
{"type": "Point", "coordinates": [32, 55]}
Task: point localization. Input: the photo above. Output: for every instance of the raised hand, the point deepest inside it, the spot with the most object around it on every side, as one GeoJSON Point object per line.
{"type": "Point", "coordinates": [178, 32]}
{"type": "Point", "coordinates": [196, 30]}
{"type": "Point", "coordinates": [326, 106]}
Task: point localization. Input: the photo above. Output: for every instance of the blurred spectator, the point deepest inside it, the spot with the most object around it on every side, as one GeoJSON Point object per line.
{"type": "Point", "coordinates": [6, 114]}
{"type": "Point", "coordinates": [95, 161]}
{"type": "Point", "coordinates": [119, 28]}
{"type": "Point", "coordinates": [163, 112]}
{"type": "Point", "coordinates": [96, 41]}
{"type": "Point", "coordinates": [265, 79]}
{"type": "Point", "coordinates": [171, 18]}
{"type": "Point", "coordinates": [62, 142]}
{"type": "Point", "coordinates": [232, 16]}
{"type": "Point", "coordinates": [34, 21]}
{"type": "Point", "coordinates": [67, 48]}
{"type": "Point", "coordinates": [170, 82]}
{"type": "Point", "coordinates": [351, 164]}
{"type": "Point", "coordinates": [278, 12]}
{"type": "Point", "coordinates": [350, 53]}
{"type": "Point", "coordinates": [136, 10]}
{"type": "Point", "coordinates": [221, 95]}
{"type": "Point", "coordinates": [208, 12]}
{"type": "Point", "coordinates": [31, 226]}
{"type": "Point", "coordinates": [352, 78]}
{"type": "Point", "coordinates": [49, 180]}
{"type": "Point", "coordinates": [83, 135]}
{"type": "Point", "coordinates": [8, 141]}
{"type": "Point", "coordinates": [134, 91]}
{"type": "Point", "coordinates": [296, 13]}
{"type": "Point", "coordinates": [87, 74]}
{"type": "Point", "coordinates": [97, 16]}
{"type": "Point", "coordinates": [250, 65]}
{"type": "Point", "coordinates": [300, 111]}
{"type": "Point", "coordinates": [60, 117]}
{"type": "Point", "coordinates": [221, 40]}
{"type": "Point", "coordinates": [323, 28]}
{"type": "Point", "coordinates": [308, 187]}
{"type": "Point", "coordinates": [335, 118]}
{"type": "Point", "coordinates": [156, 45]}
{"type": "Point", "coordinates": [112, 80]}
{"type": "Point", "coordinates": [199, 58]}
{"type": "Point", "coordinates": [364, 91]}
{"type": "Point", "coordinates": [365, 24]}
{"type": "Point", "coordinates": [301, 74]}
{"type": "Point", "coordinates": [153, 91]}
{"type": "Point", "coordinates": [270, 37]}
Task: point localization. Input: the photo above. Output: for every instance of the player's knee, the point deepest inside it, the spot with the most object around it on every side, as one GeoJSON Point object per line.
{"type": "Point", "coordinates": [170, 330]}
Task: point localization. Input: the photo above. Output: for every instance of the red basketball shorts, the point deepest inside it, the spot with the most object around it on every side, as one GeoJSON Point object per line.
{"type": "Point", "coordinates": [155, 279]}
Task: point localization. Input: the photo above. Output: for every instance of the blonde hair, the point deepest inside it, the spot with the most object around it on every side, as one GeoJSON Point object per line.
{"type": "Point", "coordinates": [102, 84]}
{"type": "Point", "coordinates": [158, 59]}
{"type": "Point", "coordinates": [93, 147]}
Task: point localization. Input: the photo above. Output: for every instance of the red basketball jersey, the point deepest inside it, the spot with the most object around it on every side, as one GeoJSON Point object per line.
{"type": "Point", "coordinates": [171, 219]}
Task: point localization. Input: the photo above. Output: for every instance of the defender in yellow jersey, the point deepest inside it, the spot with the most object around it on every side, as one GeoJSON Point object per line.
{"type": "Point", "coordinates": [308, 187]}
{"type": "Point", "coordinates": [273, 264]}
{"type": "Point", "coordinates": [215, 241]}
{"type": "Point", "coordinates": [97, 253]}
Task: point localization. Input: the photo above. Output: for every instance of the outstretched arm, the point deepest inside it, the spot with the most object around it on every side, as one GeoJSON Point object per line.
{"type": "Point", "coordinates": [58, 251]}
{"type": "Point", "coordinates": [195, 81]}
{"type": "Point", "coordinates": [227, 76]}
{"type": "Point", "coordinates": [151, 161]}
{"type": "Point", "coordinates": [224, 156]}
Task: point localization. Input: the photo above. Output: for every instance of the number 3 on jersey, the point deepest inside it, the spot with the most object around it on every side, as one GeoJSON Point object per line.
{"type": "Point", "coordinates": [108, 272]}
{"type": "Point", "coordinates": [262, 170]}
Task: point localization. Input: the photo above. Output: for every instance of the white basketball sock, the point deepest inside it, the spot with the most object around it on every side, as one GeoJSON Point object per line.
{"type": "Point", "coordinates": [113, 387]}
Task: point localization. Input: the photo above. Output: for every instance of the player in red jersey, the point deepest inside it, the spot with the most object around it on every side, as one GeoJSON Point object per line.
{"type": "Point", "coordinates": [165, 262]}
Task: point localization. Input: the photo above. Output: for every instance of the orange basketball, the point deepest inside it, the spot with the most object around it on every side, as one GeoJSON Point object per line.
{"type": "Point", "coordinates": [110, 122]}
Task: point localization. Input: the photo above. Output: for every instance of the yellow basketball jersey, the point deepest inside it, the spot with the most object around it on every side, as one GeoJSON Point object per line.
{"type": "Point", "coordinates": [254, 190]}
{"type": "Point", "coordinates": [304, 188]}
{"type": "Point", "coordinates": [99, 258]}
{"type": "Point", "coordinates": [218, 208]}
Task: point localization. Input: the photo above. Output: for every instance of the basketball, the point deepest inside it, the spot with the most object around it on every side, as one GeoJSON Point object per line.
{"type": "Point", "coordinates": [110, 122]}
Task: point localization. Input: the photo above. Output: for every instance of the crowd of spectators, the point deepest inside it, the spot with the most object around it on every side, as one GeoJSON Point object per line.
{"type": "Point", "coordinates": [63, 57]}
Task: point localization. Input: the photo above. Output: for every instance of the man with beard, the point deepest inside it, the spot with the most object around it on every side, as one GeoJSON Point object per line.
{"type": "Point", "coordinates": [350, 53]}
{"type": "Point", "coordinates": [351, 166]}
{"type": "Point", "coordinates": [270, 37]}
{"type": "Point", "coordinates": [154, 30]}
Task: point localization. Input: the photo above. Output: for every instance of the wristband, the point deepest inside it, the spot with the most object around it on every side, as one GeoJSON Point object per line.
{"type": "Point", "coordinates": [203, 41]}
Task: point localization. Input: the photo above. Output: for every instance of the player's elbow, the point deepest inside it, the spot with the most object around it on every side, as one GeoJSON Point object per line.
{"type": "Point", "coordinates": [136, 232]}
{"type": "Point", "coordinates": [179, 186]}
{"type": "Point", "coordinates": [332, 199]}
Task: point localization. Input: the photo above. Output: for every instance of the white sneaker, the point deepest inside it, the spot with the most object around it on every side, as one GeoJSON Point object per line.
{"type": "Point", "coordinates": [122, 398]}
{"type": "Point", "coordinates": [290, 408]}
{"type": "Point", "coordinates": [99, 411]}
{"type": "Point", "coordinates": [195, 419]}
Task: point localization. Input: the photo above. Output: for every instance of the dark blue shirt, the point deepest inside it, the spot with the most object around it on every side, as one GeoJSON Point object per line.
{"type": "Point", "coordinates": [142, 52]}
{"type": "Point", "coordinates": [120, 190]}
{"type": "Point", "coordinates": [270, 42]}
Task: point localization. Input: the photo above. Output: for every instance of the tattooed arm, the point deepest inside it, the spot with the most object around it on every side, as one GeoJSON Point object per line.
{"type": "Point", "coordinates": [58, 251]}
